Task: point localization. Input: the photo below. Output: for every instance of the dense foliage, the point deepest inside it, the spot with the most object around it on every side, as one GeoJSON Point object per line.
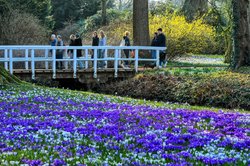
{"type": "Point", "coordinates": [113, 16]}
{"type": "Point", "coordinates": [56, 127]}
{"type": "Point", "coordinates": [74, 10]}
{"type": "Point", "coordinates": [18, 28]}
{"type": "Point", "coordinates": [184, 37]}
{"type": "Point", "coordinates": [224, 89]}
{"type": "Point", "coordinates": [40, 9]}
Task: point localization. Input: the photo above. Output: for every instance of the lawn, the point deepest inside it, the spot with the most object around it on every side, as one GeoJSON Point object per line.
{"type": "Point", "coordinates": [42, 126]}
{"type": "Point", "coordinates": [198, 61]}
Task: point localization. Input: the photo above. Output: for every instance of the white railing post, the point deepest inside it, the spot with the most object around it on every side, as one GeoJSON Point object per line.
{"type": "Point", "coordinates": [66, 63]}
{"type": "Point", "coordinates": [26, 59]}
{"type": "Point", "coordinates": [95, 63]}
{"type": "Point", "coordinates": [105, 57]}
{"type": "Point", "coordinates": [54, 63]}
{"type": "Point", "coordinates": [136, 60]}
{"type": "Point", "coordinates": [6, 58]}
{"type": "Point", "coordinates": [157, 58]}
{"type": "Point", "coordinates": [11, 61]}
{"type": "Point", "coordinates": [86, 57]}
{"type": "Point", "coordinates": [46, 56]}
{"type": "Point", "coordinates": [33, 64]}
{"type": "Point", "coordinates": [74, 63]}
{"type": "Point", "coordinates": [116, 62]}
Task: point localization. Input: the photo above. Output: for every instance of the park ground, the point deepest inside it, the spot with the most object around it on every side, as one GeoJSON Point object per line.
{"type": "Point", "coordinates": [50, 126]}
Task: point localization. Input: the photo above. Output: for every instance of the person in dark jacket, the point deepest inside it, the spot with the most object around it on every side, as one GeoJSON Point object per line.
{"type": "Point", "coordinates": [71, 43]}
{"type": "Point", "coordinates": [161, 42]}
{"type": "Point", "coordinates": [95, 39]}
{"type": "Point", "coordinates": [127, 43]}
{"type": "Point", "coordinates": [78, 42]}
{"type": "Point", "coordinates": [154, 44]}
{"type": "Point", "coordinates": [59, 52]}
{"type": "Point", "coordinates": [71, 51]}
{"type": "Point", "coordinates": [95, 42]}
{"type": "Point", "coordinates": [53, 41]}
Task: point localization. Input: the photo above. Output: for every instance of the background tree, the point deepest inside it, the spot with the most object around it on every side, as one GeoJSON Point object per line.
{"type": "Point", "coordinates": [220, 17]}
{"type": "Point", "coordinates": [140, 23]}
{"type": "Point", "coordinates": [194, 8]}
{"type": "Point", "coordinates": [19, 28]}
{"type": "Point", "coordinates": [104, 12]}
{"type": "Point", "coordinates": [74, 10]}
{"type": "Point", "coordinates": [123, 4]}
{"type": "Point", "coordinates": [41, 9]}
{"type": "Point", "coordinates": [241, 54]}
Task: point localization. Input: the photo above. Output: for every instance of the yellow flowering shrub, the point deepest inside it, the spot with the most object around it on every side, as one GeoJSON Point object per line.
{"type": "Point", "coordinates": [184, 37]}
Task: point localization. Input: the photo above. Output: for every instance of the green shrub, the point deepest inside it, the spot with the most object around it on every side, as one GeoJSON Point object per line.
{"type": "Point", "coordinates": [222, 89]}
{"type": "Point", "coordinates": [19, 28]}
{"type": "Point", "coordinates": [185, 37]}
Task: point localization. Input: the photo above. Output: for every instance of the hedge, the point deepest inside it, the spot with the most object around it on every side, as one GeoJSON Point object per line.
{"type": "Point", "coordinates": [223, 89]}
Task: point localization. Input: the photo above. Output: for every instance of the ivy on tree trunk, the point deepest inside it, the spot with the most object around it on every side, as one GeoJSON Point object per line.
{"type": "Point", "coordinates": [241, 47]}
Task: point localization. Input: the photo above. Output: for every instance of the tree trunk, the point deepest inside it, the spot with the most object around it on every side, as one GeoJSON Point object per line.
{"type": "Point", "coordinates": [229, 49]}
{"type": "Point", "coordinates": [248, 16]}
{"type": "Point", "coordinates": [104, 12]}
{"type": "Point", "coordinates": [140, 23]}
{"type": "Point", "coordinates": [241, 48]}
{"type": "Point", "coordinates": [194, 8]}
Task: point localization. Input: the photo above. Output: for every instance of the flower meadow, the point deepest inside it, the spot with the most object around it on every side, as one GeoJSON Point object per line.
{"type": "Point", "coordinates": [40, 126]}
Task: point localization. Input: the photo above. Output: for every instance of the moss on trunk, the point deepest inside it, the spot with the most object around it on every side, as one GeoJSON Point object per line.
{"type": "Point", "coordinates": [6, 78]}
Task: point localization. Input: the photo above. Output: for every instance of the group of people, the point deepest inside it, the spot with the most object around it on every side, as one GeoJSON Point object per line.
{"type": "Point", "coordinates": [159, 40]}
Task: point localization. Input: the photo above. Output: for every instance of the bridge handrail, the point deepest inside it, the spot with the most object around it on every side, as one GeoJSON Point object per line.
{"type": "Point", "coordinates": [9, 59]}
{"type": "Point", "coordinates": [37, 47]}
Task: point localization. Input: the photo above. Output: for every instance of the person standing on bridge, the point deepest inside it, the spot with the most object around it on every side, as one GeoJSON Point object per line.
{"type": "Point", "coordinates": [71, 43]}
{"type": "Point", "coordinates": [78, 42]}
{"type": "Point", "coordinates": [53, 41]}
{"type": "Point", "coordinates": [101, 52]}
{"type": "Point", "coordinates": [95, 42]}
{"type": "Point", "coordinates": [59, 52]}
{"type": "Point", "coordinates": [161, 42]}
{"type": "Point", "coordinates": [126, 51]}
{"type": "Point", "coordinates": [154, 44]}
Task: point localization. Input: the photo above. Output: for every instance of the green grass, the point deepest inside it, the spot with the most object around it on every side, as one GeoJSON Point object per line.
{"type": "Point", "coordinates": [116, 99]}
{"type": "Point", "coordinates": [215, 56]}
{"type": "Point", "coordinates": [185, 71]}
{"type": "Point", "coordinates": [191, 60]}
{"type": "Point", "coordinates": [244, 70]}
{"type": "Point", "coordinates": [190, 64]}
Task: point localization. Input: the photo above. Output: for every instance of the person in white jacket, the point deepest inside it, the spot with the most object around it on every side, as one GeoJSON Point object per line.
{"type": "Point", "coordinates": [101, 52]}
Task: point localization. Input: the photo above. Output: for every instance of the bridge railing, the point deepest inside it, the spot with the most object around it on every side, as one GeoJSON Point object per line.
{"type": "Point", "coordinates": [50, 56]}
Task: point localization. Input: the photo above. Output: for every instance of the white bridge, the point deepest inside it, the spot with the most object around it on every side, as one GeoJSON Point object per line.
{"type": "Point", "coordinates": [31, 55]}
